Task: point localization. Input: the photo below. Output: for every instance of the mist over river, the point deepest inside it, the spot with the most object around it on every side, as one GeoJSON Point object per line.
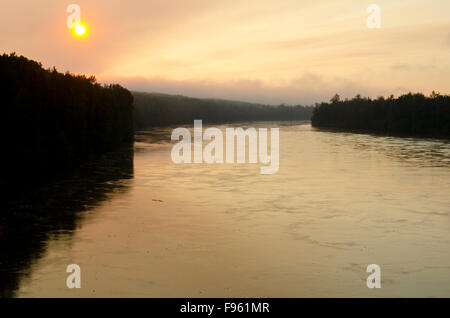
{"type": "Point", "coordinates": [140, 225]}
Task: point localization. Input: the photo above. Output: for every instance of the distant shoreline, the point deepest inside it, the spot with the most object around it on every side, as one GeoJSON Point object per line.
{"type": "Point", "coordinates": [410, 115]}
{"type": "Point", "coordinates": [379, 133]}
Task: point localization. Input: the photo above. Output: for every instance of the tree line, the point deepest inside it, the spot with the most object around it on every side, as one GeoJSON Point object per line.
{"type": "Point", "coordinates": [153, 109]}
{"type": "Point", "coordinates": [50, 119]}
{"type": "Point", "coordinates": [410, 114]}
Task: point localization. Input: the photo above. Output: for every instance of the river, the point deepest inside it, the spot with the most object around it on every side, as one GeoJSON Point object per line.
{"type": "Point", "coordinates": [139, 225]}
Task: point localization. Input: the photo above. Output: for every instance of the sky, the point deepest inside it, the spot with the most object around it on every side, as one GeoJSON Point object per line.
{"type": "Point", "coordinates": [268, 51]}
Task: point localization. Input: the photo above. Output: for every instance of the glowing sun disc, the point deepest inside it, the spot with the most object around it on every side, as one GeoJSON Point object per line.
{"type": "Point", "coordinates": [80, 29]}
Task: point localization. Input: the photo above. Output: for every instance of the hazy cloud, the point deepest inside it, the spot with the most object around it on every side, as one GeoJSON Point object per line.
{"type": "Point", "coordinates": [306, 90]}
{"type": "Point", "coordinates": [400, 67]}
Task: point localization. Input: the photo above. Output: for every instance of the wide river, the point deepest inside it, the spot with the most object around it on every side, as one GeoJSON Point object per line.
{"type": "Point", "coordinates": [139, 225]}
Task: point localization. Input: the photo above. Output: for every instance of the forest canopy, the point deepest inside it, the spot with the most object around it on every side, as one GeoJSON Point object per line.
{"type": "Point", "coordinates": [50, 119]}
{"type": "Point", "coordinates": [411, 114]}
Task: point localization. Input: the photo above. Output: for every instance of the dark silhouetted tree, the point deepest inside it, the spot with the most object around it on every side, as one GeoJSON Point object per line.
{"type": "Point", "coordinates": [50, 119]}
{"type": "Point", "coordinates": [412, 114]}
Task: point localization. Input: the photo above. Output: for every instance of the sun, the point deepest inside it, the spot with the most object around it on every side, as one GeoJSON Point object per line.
{"type": "Point", "coordinates": [80, 30]}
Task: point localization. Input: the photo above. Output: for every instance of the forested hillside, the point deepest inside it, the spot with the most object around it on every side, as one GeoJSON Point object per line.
{"type": "Point", "coordinates": [160, 110]}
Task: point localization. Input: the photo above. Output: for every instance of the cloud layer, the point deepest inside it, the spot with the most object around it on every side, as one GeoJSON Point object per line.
{"type": "Point", "coordinates": [267, 51]}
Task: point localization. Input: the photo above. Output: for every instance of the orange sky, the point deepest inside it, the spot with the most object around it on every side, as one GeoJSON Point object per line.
{"type": "Point", "coordinates": [256, 50]}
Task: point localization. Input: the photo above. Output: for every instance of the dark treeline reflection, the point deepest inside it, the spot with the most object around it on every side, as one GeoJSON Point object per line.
{"type": "Point", "coordinates": [50, 119]}
{"type": "Point", "coordinates": [411, 114]}
{"type": "Point", "coordinates": [161, 110]}
{"type": "Point", "coordinates": [32, 215]}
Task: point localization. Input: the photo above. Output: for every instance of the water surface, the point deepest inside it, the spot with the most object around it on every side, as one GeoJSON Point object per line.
{"type": "Point", "coordinates": [338, 203]}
